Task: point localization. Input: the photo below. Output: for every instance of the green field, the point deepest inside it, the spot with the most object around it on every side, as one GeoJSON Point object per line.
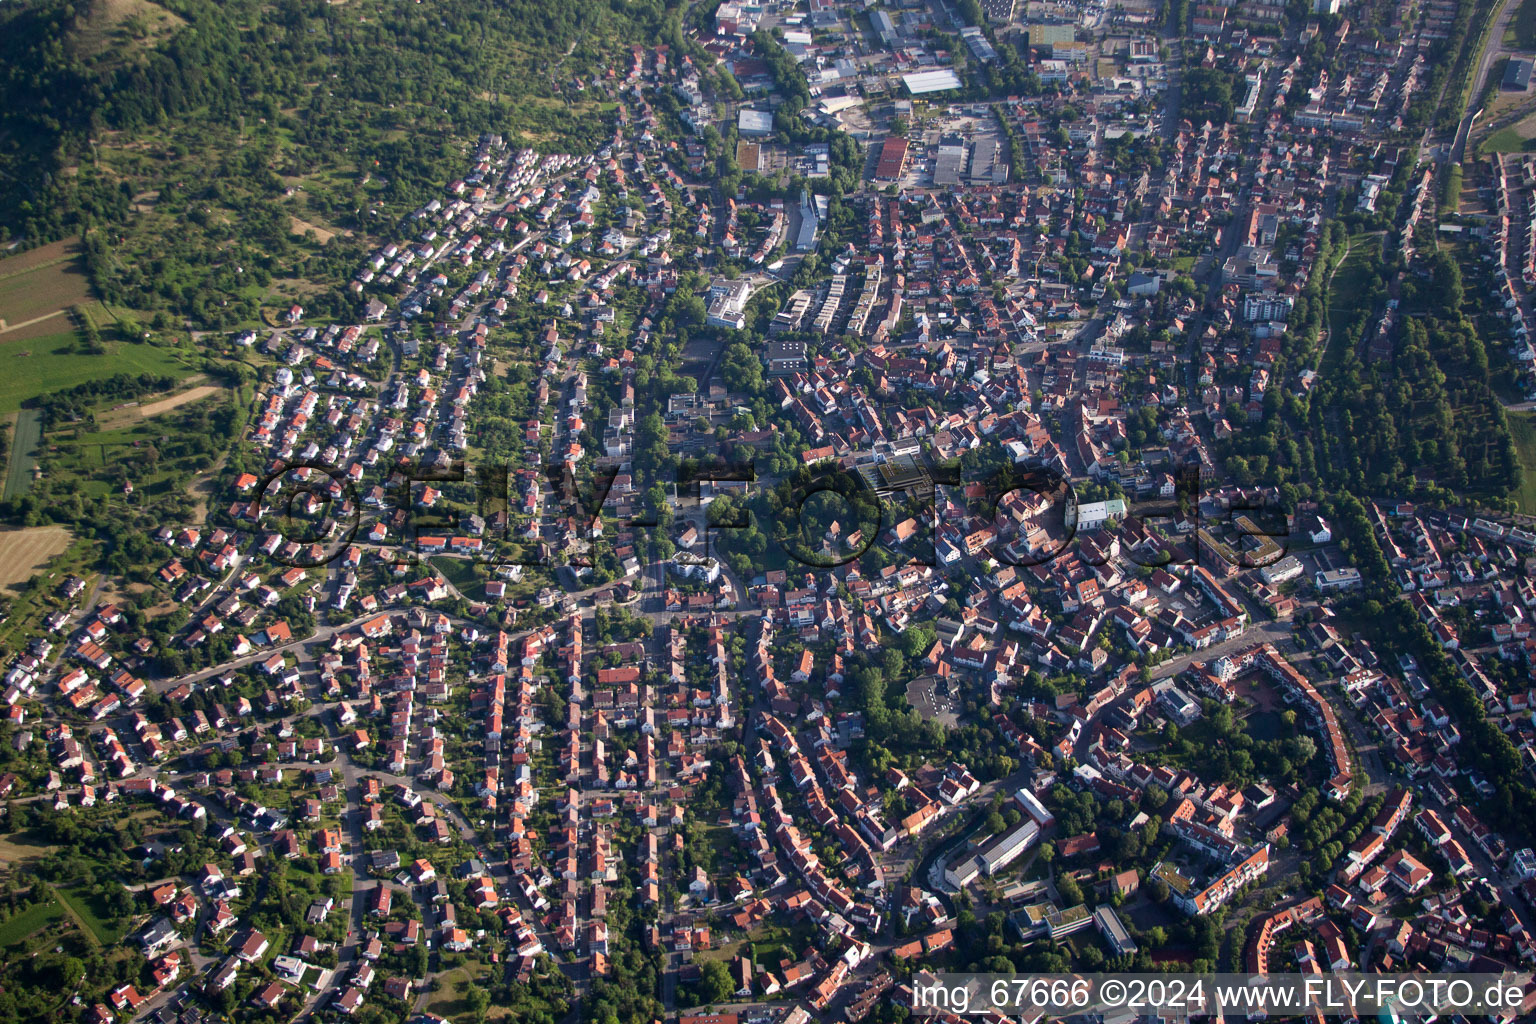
{"type": "Point", "coordinates": [1505, 140]}
{"type": "Point", "coordinates": [461, 573]}
{"type": "Point", "coordinates": [20, 847]}
{"type": "Point", "coordinates": [29, 921]}
{"type": "Point", "coordinates": [1522, 428]}
{"type": "Point", "coordinates": [90, 452]}
{"type": "Point", "coordinates": [86, 907]}
{"type": "Point", "coordinates": [450, 1001]}
{"type": "Point", "coordinates": [24, 439]}
{"type": "Point", "coordinates": [1346, 289]}
{"type": "Point", "coordinates": [50, 363]}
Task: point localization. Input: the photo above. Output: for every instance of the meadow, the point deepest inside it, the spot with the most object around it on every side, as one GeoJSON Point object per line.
{"type": "Point", "coordinates": [54, 362]}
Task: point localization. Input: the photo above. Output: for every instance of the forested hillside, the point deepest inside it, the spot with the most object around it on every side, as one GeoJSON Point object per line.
{"type": "Point", "coordinates": [206, 148]}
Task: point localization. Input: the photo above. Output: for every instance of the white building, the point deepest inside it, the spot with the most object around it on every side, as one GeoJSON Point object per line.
{"type": "Point", "coordinates": [1006, 848]}
{"type": "Point", "coordinates": [692, 567]}
{"type": "Point", "coordinates": [1283, 571]}
{"type": "Point", "coordinates": [1093, 514]}
{"type": "Point", "coordinates": [962, 874]}
{"type": "Point", "coordinates": [1337, 579]}
{"type": "Point", "coordinates": [728, 303]}
{"type": "Point", "coordinates": [754, 122]}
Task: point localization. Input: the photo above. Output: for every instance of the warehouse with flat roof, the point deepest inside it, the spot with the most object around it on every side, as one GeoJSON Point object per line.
{"type": "Point", "coordinates": [950, 162]}
{"type": "Point", "coordinates": [982, 156]}
{"type": "Point", "coordinates": [754, 122]}
{"type": "Point", "coordinates": [920, 83]}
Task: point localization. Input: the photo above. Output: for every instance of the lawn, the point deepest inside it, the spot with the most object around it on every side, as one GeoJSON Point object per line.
{"type": "Point", "coordinates": [1522, 429]}
{"type": "Point", "coordinates": [448, 1000]}
{"type": "Point", "coordinates": [461, 573]}
{"type": "Point", "coordinates": [1265, 725]}
{"type": "Point", "coordinates": [1505, 140]}
{"type": "Point", "coordinates": [87, 907]}
{"type": "Point", "coordinates": [42, 365]}
{"type": "Point", "coordinates": [18, 847]}
{"type": "Point", "coordinates": [725, 952]}
{"type": "Point", "coordinates": [30, 921]}
{"type": "Point", "coordinates": [451, 999]}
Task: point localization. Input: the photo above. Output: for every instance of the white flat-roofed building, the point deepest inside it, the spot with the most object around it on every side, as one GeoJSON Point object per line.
{"type": "Point", "coordinates": [1283, 571]}
{"type": "Point", "coordinates": [754, 122]}
{"type": "Point", "coordinates": [1181, 707]}
{"type": "Point", "coordinates": [920, 83]}
{"type": "Point", "coordinates": [1346, 578]}
{"type": "Point", "coordinates": [727, 303]}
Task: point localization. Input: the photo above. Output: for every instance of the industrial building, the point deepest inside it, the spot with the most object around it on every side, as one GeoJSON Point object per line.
{"type": "Point", "coordinates": [920, 83]}
{"type": "Point", "coordinates": [893, 159]}
{"type": "Point", "coordinates": [754, 122]}
{"type": "Point", "coordinates": [950, 162]}
{"type": "Point", "coordinates": [986, 169]}
{"type": "Point", "coordinates": [1517, 75]}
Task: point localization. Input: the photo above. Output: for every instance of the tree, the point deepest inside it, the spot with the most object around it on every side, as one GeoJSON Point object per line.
{"type": "Point", "coordinates": [714, 982]}
{"type": "Point", "coordinates": [479, 1001]}
{"type": "Point", "coordinates": [741, 369]}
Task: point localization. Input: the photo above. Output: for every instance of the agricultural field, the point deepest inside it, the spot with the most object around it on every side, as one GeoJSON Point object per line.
{"type": "Point", "coordinates": [26, 432]}
{"type": "Point", "coordinates": [19, 847]}
{"type": "Point", "coordinates": [23, 552]}
{"type": "Point", "coordinates": [29, 602]}
{"type": "Point", "coordinates": [37, 289]}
